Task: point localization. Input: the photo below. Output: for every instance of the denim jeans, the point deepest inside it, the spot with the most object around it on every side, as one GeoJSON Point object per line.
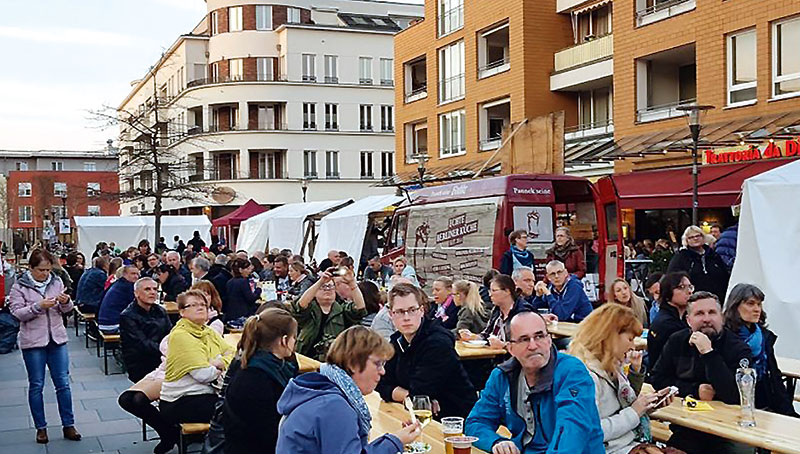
{"type": "Point", "coordinates": [56, 358]}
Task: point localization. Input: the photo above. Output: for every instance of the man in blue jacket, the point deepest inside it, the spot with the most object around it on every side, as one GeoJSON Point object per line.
{"type": "Point", "coordinates": [116, 299]}
{"type": "Point", "coordinates": [90, 286]}
{"type": "Point", "coordinates": [545, 398]}
{"type": "Point", "coordinates": [564, 295]}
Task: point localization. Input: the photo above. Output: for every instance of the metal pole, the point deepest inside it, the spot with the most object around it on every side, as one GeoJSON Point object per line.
{"type": "Point", "coordinates": [695, 171]}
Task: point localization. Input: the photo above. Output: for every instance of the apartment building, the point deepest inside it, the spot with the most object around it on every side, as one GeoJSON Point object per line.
{"type": "Point", "coordinates": [275, 101]}
{"type": "Point", "coordinates": [466, 72]}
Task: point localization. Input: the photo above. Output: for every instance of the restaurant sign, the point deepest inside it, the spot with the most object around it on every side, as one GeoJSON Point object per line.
{"type": "Point", "coordinates": [770, 150]}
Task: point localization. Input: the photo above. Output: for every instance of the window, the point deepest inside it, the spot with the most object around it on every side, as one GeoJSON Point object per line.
{"type": "Point", "coordinates": [267, 164]}
{"type": "Point", "coordinates": [56, 165]}
{"type": "Point", "coordinates": [92, 189]}
{"type": "Point", "coordinates": [612, 224]}
{"type": "Point", "coordinates": [387, 118]}
{"type": "Point", "coordinates": [493, 51]}
{"type": "Point", "coordinates": [451, 16]}
{"type": "Point", "coordinates": [366, 164]}
{"type": "Point", "coordinates": [22, 165]}
{"type": "Point", "coordinates": [365, 120]}
{"type": "Point", "coordinates": [89, 166]}
{"type": "Point", "coordinates": [309, 71]}
{"type": "Point", "coordinates": [785, 64]}
{"type": "Point", "coordinates": [387, 164]}
{"type": "Point", "coordinates": [235, 19]}
{"type": "Point", "coordinates": [309, 115]}
{"type": "Point", "coordinates": [292, 15]}
{"type": "Point", "coordinates": [416, 79]}
{"type": "Point", "coordinates": [451, 72]}
{"type": "Point", "coordinates": [310, 163]}
{"type": "Point", "coordinates": [331, 73]}
{"type": "Point", "coordinates": [60, 189]}
{"type": "Point", "coordinates": [416, 141]}
{"type": "Point", "coordinates": [225, 165]}
{"type": "Point", "coordinates": [593, 24]}
{"type": "Point", "coordinates": [264, 68]}
{"type": "Point", "coordinates": [236, 69]}
{"type": "Point", "coordinates": [214, 23]}
{"type": "Point", "coordinates": [263, 17]}
{"type": "Point", "coordinates": [93, 210]}
{"type": "Point", "coordinates": [452, 137]}
{"type": "Point", "coordinates": [365, 70]}
{"type": "Point", "coordinates": [387, 71]}
{"type": "Point", "coordinates": [233, 118]}
{"type": "Point", "coordinates": [742, 67]}
{"type": "Point", "coordinates": [215, 72]}
{"type": "Point", "coordinates": [332, 164]}
{"type": "Point", "coordinates": [26, 213]}
{"type": "Point", "coordinates": [24, 189]}
{"type": "Point", "coordinates": [332, 117]}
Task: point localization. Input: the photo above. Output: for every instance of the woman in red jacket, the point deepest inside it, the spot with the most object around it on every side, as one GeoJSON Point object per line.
{"type": "Point", "coordinates": [567, 252]}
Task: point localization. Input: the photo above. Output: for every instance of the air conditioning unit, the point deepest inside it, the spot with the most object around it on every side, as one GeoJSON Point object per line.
{"type": "Point", "coordinates": [134, 209]}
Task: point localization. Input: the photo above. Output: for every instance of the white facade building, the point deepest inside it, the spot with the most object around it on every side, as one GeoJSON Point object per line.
{"type": "Point", "coordinates": [265, 99]}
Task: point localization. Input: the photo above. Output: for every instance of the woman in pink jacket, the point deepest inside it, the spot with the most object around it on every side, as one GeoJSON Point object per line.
{"type": "Point", "coordinates": [38, 301]}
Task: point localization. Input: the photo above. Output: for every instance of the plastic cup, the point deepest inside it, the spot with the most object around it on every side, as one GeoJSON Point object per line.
{"type": "Point", "coordinates": [461, 445]}
{"type": "Point", "coordinates": [452, 426]}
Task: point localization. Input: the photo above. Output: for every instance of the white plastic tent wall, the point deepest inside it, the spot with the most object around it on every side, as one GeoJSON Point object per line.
{"type": "Point", "coordinates": [768, 246]}
{"type": "Point", "coordinates": [127, 231]}
{"type": "Point", "coordinates": [281, 227]}
{"type": "Point", "coordinates": [345, 229]}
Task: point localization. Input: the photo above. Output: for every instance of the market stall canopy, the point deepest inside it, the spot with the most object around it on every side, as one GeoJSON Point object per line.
{"type": "Point", "coordinates": [767, 249]}
{"type": "Point", "coordinates": [345, 229]}
{"type": "Point", "coordinates": [127, 231]}
{"type": "Point", "coordinates": [246, 211]}
{"type": "Point", "coordinates": [281, 227]}
{"type": "Point", "coordinates": [666, 189]}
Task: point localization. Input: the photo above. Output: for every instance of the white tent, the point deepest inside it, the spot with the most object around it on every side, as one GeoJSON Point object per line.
{"type": "Point", "coordinates": [127, 231]}
{"type": "Point", "coordinates": [345, 229]}
{"type": "Point", "coordinates": [767, 247]}
{"type": "Point", "coordinates": [281, 227]}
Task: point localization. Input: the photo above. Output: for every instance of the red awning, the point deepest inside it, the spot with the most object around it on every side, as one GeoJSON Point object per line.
{"type": "Point", "coordinates": [718, 185]}
{"type": "Point", "coordinates": [246, 211]}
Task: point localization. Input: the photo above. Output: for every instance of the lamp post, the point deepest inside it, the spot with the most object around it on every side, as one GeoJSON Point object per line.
{"type": "Point", "coordinates": [63, 214]}
{"type": "Point", "coordinates": [421, 158]}
{"type": "Point", "coordinates": [694, 114]}
{"type": "Point", "coordinates": [304, 186]}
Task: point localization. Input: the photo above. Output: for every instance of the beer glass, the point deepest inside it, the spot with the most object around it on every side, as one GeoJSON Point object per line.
{"type": "Point", "coordinates": [452, 426]}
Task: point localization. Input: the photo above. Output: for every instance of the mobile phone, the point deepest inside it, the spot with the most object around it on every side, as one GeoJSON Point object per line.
{"type": "Point", "coordinates": [673, 390]}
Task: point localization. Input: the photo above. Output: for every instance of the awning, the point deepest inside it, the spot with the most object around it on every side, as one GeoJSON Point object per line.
{"type": "Point", "coordinates": [589, 150]}
{"type": "Point", "coordinates": [718, 186]}
{"type": "Point", "coordinates": [246, 211]}
{"type": "Point", "coordinates": [438, 174]}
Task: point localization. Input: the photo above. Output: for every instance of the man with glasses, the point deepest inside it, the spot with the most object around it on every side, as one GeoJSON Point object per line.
{"type": "Point", "coordinates": [425, 362]}
{"type": "Point", "coordinates": [674, 292]}
{"type": "Point", "coordinates": [564, 295]}
{"type": "Point", "coordinates": [545, 398]}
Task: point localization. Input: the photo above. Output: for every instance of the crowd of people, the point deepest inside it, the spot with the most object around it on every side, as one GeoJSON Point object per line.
{"type": "Point", "coordinates": [384, 333]}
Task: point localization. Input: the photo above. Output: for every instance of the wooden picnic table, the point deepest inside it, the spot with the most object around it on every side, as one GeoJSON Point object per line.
{"type": "Point", "coordinates": [789, 367]}
{"type": "Point", "coordinates": [569, 329]}
{"type": "Point", "coordinates": [775, 432]}
{"type": "Point", "coordinates": [465, 352]}
{"type": "Point", "coordinates": [171, 307]}
{"type": "Point", "coordinates": [306, 364]}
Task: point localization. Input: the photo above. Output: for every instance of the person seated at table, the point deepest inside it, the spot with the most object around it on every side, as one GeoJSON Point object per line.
{"type": "Point", "coordinates": [326, 412]}
{"type": "Point", "coordinates": [652, 287]}
{"type": "Point", "coordinates": [299, 279]}
{"type": "Point", "coordinates": [383, 324]}
{"type": "Point", "coordinates": [745, 316]}
{"type": "Point", "coordinates": [506, 304]}
{"type": "Point", "coordinates": [620, 292]}
{"type": "Point", "coordinates": [143, 326]}
{"type": "Point", "coordinates": [90, 286]}
{"type": "Point", "coordinates": [171, 282]}
{"type": "Point", "coordinates": [563, 296]}
{"type": "Point", "coordinates": [241, 298]}
{"type": "Point", "coordinates": [377, 272]}
{"type": "Point", "coordinates": [250, 419]}
{"type": "Point", "coordinates": [402, 268]}
{"type": "Point", "coordinates": [425, 361]}
{"type": "Point", "coordinates": [472, 314]}
{"type": "Point", "coordinates": [603, 342]}
{"type": "Point", "coordinates": [196, 357]}
{"type": "Point", "coordinates": [322, 317]}
{"type": "Point", "coordinates": [702, 361]}
{"type": "Point", "coordinates": [546, 399]}
{"type": "Point", "coordinates": [373, 300]}
{"type": "Point", "coordinates": [525, 281]}
{"type": "Point", "coordinates": [567, 252]}
{"type": "Point", "coordinates": [116, 299]}
{"type": "Point", "coordinates": [445, 310]}
{"type": "Point", "coordinates": [215, 318]}
{"type": "Point", "coordinates": [486, 294]}
{"type": "Point", "coordinates": [518, 254]}
{"type": "Point", "coordinates": [675, 292]}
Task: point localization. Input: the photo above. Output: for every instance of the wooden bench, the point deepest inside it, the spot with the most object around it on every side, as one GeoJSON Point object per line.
{"type": "Point", "coordinates": [111, 342]}
{"type": "Point", "coordinates": [77, 317]}
{"type": "Point", "coordinates": [189, 431]}
{"type": "Point", "coordinates": [660, 431]}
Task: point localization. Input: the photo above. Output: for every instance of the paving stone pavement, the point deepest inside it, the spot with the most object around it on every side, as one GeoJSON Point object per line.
{"type": "Point", "coordinates": [105, 427]}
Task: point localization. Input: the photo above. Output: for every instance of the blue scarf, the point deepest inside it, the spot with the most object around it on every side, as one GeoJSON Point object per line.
{"type": "Point", "coordinates": [524, 257]}
{"type": "Point", "coordinates": [351, 392]}
{"type": "Point", "coordinates": [755, 341]}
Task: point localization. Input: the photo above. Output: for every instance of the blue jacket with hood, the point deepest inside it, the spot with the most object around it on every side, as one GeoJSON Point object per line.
{"type": "Point", "coordinates": [570, 304]}
{"type": "Point", "coordinates": [563, 401]}
{"type": "Point", "coordinates": [317, 418]}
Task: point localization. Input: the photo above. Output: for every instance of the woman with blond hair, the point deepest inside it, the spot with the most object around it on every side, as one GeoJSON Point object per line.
{"type": "Point", "coordinates": [215, 304]}
{"type": "Point", "coordinates": [705, 267]}
{"type": "Point", "coordinates": [472, 314]}
{"type": "Point", "coordinates": [403, 269]}
{"type": "Point", "coordinates": [620, 292]}
{"type": "Point", "coordinates": [602, 342]}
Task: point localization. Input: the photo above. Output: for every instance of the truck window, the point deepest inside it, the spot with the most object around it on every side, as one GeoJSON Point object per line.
{"type": "Point", "coordinates": [398, 234]}
{"type": "Point", "coordinates": [612, 222]}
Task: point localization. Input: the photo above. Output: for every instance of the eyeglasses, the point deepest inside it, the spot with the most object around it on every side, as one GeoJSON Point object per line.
{"type": "Point", "coordinates": [327, 287]}
{"type": "Point", "coordinates": [688, 288]}
{"type": "Point", "coordinates": [694, 237]}
{"type": "Point", "coordinates": [195, 305]}
{"type": "Point", "coordinates": [379, 363]}
{"type": "Point", "coordinates": [409, 311]}
{"type": "Point", "coordinates": [557, 273]}
{"type": "Point", "coordinates": [526, 340]}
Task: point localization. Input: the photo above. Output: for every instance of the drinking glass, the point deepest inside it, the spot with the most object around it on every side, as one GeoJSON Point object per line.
{"type": "Point", "coordinates": [452, 426]}
{"type": "Point", "coordinates": [423, 409]}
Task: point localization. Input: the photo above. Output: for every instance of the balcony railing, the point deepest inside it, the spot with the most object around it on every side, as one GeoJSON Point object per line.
{"type": "Point", "coordinates": [365, 81]}
{"type": "Point", "coordinates": [451, 88]}
{"type": "Point", "coordinates": [581, 54]}
{"type": "Point", "coordinates": [494, 67]}
{"type": "Point", "coordinates": [663, 111]}
{"type": "Point", "coordinates": [491, 143]}
{"type": "Point", "coordinates": [387, 82]}
{"type": "Point", "coordinates": [283, 126]}
{"type": "Point", "coordinates": [586, 130]}
{"type": "Point", "coordinates": [663, 10]}
{"type": "Point", "coordinates": [236, 79]}
{"type": "Point", "coordinates": [451, 20]}
{"type": "Point", "coordinates": [331, 80]}
{"type": "Point", "coordinates": [417, 93]}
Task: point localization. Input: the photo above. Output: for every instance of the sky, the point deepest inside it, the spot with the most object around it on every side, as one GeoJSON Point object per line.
{"type": "Point", "coordinates": [63, 58]}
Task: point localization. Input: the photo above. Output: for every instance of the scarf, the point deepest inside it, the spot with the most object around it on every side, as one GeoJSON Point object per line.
{"type": "Point", "coordinates": [524, 257]}
{"type": "Point", "coordinates": [755, 341]}
{"type": "Point", "coordinates": [191, 347]}
{"type": "Point", "coordinates": [441, 311]}
{"type": "Point", "coordinates": [277, 369]}
{"type": "Point", "coordinates": [351, 392]}
{"type": "Point", "coordinates": [562, 252]}
{"type": "Point", "coordinates": [40, 287]}
{"type": "Point", "coordinates": [626, 395]}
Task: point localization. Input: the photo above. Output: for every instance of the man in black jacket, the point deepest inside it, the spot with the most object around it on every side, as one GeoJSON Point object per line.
{"type": "Point", "coordinates": [142, 325]}
{"type": "Point", "coordinates": [219, 275]}
{"type": "Point", "coordinates": [675, 292]}
{"type": "Point", "coordinates": [702, 361]}
{"type": "Point", "coordinates": [425, 361]}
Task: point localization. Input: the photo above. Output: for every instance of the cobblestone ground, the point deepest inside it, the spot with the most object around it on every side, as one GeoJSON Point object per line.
{"type": "Point", "coordinates": [105, 427]}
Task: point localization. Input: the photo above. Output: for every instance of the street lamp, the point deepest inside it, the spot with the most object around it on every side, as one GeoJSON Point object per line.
{"type": "Point", "coordinates": [304, 186]}
{"type": "Point", "coordinates": [63, 214]}
{"type": "Point", "coordinates": [694, 117]}
{"type": "Point", "coordinates": [421, 158]}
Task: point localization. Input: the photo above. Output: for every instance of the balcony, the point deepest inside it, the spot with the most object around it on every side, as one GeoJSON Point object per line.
{"type": "Point", "coordinates": [584, 65]}
{"type": "Point", "coordinates": [420, 93]}
{"type": "Point", "coordinates": [585, 53]}
{"type": "Point", "coordinates": [664, 81]}
{"type": "Point", "coordinates": [237, 79]}
{"type": "Point", "coordinates": [415, 80]}
{"type": "Point", "coordinates": [663, 111]}
{"type": "Point", "coordinates": [589, 131]}
{"type": "Point", "coordinates": [493, 51]}
{"type": "Point", "coordinates": [650, 11]}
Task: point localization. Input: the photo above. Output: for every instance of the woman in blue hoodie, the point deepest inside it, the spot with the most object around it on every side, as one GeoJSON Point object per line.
{"type": "Point", "coordinates": [325, 412]}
